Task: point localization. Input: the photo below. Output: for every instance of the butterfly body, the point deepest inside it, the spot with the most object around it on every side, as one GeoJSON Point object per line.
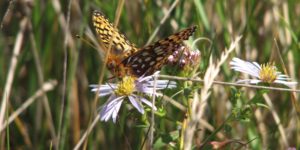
{"type": "Point", "coordinates": [126, 59]}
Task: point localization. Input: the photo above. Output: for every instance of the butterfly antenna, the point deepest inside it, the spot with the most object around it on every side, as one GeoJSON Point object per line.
{"type": "Point", "coordinates": [86, 41]}
{"type": "Point", "coordinates": [110, 78]}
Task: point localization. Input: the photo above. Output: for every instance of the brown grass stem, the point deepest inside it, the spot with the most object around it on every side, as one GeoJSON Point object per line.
{"type": "Point", "coordinates": [48, 86]}
{"type": "Point", "coordinates": [12, 68]}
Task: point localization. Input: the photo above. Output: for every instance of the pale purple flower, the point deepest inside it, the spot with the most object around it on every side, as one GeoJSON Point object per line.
{"type": "Point", "coordinates": [185, 56]}
{"type": "Point", "coordinates": [266, 73]}
{"type": "Point", "coordinates": [129, 89]}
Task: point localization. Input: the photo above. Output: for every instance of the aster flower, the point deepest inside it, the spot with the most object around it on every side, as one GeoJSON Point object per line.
{"type": "Point", "coordinates": [265, 73]}
{"type": "Point", "coordinates": [130, 89]}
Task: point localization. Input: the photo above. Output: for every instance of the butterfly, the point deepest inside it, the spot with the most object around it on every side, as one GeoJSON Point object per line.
{"type": "Point", "coordinates": [126, 59]}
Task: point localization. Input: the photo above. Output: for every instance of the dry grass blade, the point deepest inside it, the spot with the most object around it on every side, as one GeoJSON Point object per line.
{"type": "Point", "coordinates": [69, 42]}
{"type": "Point", "coordinates": [214, 103]}
{"type": "Point", "coordinates": [198, 106]}
{"type": "Point", "coordinates": [151, 132]}
{"type": "Point", "coordinates": [45, 99]}
{"type": "Point", "coordinates": [162, 21]}
{"type": "Point", "coordinates": [12, 68]}
{"type": "Point", "coordinates": [87, 132]}
{"type": "Point", "coordinates": [230, 84]}
{"type": "Point", "coordinates": [48, 86]}
{"type": "Point", "coordinates": [92, 124]}
{"type": "Point", "coordinates": [277, 120]}
{"type": "Point", "coordinates": [10, 7]}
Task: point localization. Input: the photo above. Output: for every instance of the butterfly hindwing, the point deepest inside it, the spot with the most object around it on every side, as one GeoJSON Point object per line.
{"type": "Point", "coordinates": [151, 58]}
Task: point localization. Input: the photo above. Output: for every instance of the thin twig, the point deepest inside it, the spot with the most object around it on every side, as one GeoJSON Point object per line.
{"type": "Point", "coordinates": [63, 98]}
{"type": "Point", "coordinates": [12, 68]}
{"type": "Point", "coordinates": [229, 83]}
{"type": "Point", "coordinates": [45, 100]}
{"type": "Point", "coordinates": [293, 95]}
{"type": "Point", "coordinates": [22, 128]}
{"type": "Point", "coordinates": [100, 80]}
{"type": "Point", "coordinates": [48, 86]}
{"type": "Point", "coordinates": [163, 20]}
{"type": "Point", "coordinates": [63, 23]}
{"type": "Point", "coordinates": [261, 126]}
{"type": "Point", "coordinates": [39, 69]}
{"type": "Point", "coordinates": [9, 8]}
{"type": "Point", "coordinates": [198, 106]}
{"type": "Point", "coordinates": [87, 132]}
{"type": "Point", "coordinates": [174, 103]}
{"type": "Point", "coordinates": [151, 134]}
{"type": "Point", "coordinates": [277, 120]}
{"type": "Point", "coordinates": [116, 21]}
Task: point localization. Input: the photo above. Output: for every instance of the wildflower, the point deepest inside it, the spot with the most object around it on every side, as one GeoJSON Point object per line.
{"type": "Point", "coordinates": [129, 89]}
{"type": "Point", "coordinates": [265, 73]}
{"type": "Point", "coordinates": [184, 56]}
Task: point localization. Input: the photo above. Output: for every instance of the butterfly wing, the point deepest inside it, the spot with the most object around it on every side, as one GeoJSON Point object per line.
{"type": "Point", "coordinates": [107, 33]}
{"type": "Point", "coordinates": [151, 58]}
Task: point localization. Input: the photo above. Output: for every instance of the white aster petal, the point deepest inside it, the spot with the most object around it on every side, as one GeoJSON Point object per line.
{"type": "Point", "coordinates": [111, 108]}
{"type": "Point", "coordinates": [287, 83]}
{"type": "Point", "coordinates": [112, 100]}
{"type": "Point", "coordinates": [103, 90]}
{"type": "Point", "coordinates": [255, 81]}
{"type": "Point", "coordinates": [116, 110]}
{"type": "Point", "coordinates": [148, 103]}
{"type": "Point", "coordinates": [257, 65]}
{"type": "Point", "coordinates": [147, 87]}
{"type": "Point", "coordinates": [147, 78]}
{"type": "Point", "coordinates": [141, 85]}
{"type": "Point", "coordinates": [162, 84]}
{"type": "Point", "coordinates": [245, 67]}
{"type": "Point", "coordinates": [142, 78]}
{"type": "Point", "coordinates": [254, 69]}
{"type": "Point", "coordinates": [251, 81]}
{"type": "Point", "coordinates": [281, 76]}
{"type": "Point", "coordinates": [146, 90]}
{"type": "Point", "coordinates": [135, 102]}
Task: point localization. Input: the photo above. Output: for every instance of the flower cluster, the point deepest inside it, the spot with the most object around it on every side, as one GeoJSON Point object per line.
{"type": "Point", "coordinates": [135, 89]}
{"type": "Point", "coordinates": [131, 89]}
{"type": "Point", "coordinates": [265, 73]}
{"type": "Point", "coordinates": [185, 57]}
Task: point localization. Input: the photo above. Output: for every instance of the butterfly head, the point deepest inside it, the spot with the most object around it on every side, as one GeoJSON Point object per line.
{"type": "Point", "coordinates": [116, 67]}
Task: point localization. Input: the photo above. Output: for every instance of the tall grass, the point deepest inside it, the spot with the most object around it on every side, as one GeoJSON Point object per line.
{"type": "Point", "coordinates": [46, 72]}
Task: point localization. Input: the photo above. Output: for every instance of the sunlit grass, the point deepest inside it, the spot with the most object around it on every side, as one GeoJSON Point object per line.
{"type": "Point", "coordinates": [34, 50]}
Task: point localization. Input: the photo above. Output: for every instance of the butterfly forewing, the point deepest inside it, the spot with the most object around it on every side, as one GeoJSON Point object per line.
{"type": "Point", "coordinates": [125, 59]}
{"type": "Point", "coordinates": [108, 33]}
{"type": "Point", "coordinates": [149, 59]}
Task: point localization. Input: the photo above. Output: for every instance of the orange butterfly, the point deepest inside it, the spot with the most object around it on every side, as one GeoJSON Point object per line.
{"type": "Point", "coordinates": [126, 59]}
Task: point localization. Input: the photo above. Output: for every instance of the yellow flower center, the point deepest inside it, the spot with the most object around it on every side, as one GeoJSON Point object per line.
{"type": "Point", "coordinates": [126, 86]}
{"type": "Point", "coordinates": [268, 73]}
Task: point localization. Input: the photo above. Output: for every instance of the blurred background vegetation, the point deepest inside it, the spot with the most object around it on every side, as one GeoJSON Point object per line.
{"type": "Point", "coordinates": [40, 36]}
